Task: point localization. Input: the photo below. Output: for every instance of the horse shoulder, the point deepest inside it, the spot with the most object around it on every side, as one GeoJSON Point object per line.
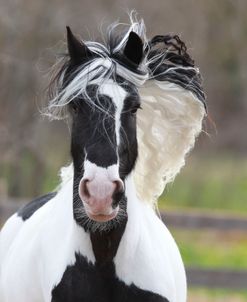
{"type": "Point", "coordinates": [20, 268]}
{"type": "Point", "coordinates": [166, 243]}
{"type": "Point", "coordinates": [61, 240]}
{"type": "Point", "coordinates": [148, 257]}
{"type": "Point", "coordinates": [14, 224]}
{"type": "Point", "coordinates": [8, 233]}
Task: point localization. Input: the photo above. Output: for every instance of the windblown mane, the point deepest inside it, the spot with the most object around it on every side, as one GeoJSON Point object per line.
{"type": "Point", "coordinates": [172, 97]}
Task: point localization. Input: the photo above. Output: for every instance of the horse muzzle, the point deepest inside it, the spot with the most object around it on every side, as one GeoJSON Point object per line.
{"type": "Point", "coordinates": [98, 189]}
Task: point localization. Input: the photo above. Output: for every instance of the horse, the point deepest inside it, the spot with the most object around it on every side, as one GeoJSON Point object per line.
{"type": "Point", "coordinates": [135, 107]}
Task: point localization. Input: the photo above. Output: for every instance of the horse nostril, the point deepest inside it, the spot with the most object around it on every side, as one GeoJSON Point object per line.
{"type": "Point", "coordinates": [83, 189]}
{"type": "Point", "coordinates": [118, 193]}
{"type": "Point", "coordinates": [119, 186]}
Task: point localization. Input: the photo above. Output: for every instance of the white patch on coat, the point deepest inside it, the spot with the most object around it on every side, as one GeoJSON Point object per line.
{"type": "Point", "coordinates": [8, 234]}
{"type": "Point", "coordinates": [41, 251]}
{"type": "Point", "coordinates": [92, 171]}
{"type": "Point", "coordinates": [148, 256]}
{"type": "Point", "coordinates": [117, 95]}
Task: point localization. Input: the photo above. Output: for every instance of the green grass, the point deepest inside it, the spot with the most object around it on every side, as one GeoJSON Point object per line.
{"type": "Point", "coordinates": [218, 184]}
{"type": "Point", "coordinates": [212, 249]}
{"type": "Point", "coordinates": [206, 183]}
{"type": "Point", "coordinates": [216, 295]}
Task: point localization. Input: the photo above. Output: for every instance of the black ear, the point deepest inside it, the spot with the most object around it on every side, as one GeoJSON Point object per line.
{"type": "Point", "coordinates": [77, 50]}
{"type": "Point", "coordinates": [134, 48]}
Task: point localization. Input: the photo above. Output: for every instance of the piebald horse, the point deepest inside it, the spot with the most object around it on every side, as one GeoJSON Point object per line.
{"type": "Point", "coordinates": [136, 106]}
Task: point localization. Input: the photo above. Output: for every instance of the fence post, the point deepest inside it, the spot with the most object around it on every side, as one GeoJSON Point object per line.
{"type": "Point", "coordinates": [3, 191]}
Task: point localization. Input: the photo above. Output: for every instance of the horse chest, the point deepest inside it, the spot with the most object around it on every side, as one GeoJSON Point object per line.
{"type": "Point", "coordinates": [85, 282]}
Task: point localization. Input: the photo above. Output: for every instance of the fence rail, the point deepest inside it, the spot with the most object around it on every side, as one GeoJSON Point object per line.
{"type": "Point", "coordinates": [217, 278]}
{"type": "Point", "coordinates": [211, 278]}
{"type": "Point", "coordinates": [199, 220]}
{"type": "Point", "coordinates": [175, 219]}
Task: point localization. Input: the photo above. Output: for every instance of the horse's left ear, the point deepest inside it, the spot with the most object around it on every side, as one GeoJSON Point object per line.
{"type": "Point", "coordinates": [133, 50]}
{"type": "Point", "coordinates": [78, 51]}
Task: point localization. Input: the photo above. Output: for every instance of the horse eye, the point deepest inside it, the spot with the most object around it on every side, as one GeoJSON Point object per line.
{"type": "Point", "coordinates": [134, 110]}
{"type": "Point", "coordinates": [74, 108]}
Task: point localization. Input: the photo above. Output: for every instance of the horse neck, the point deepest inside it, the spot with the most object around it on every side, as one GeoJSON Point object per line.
{"type": "Point", "coordinates": [106, 245]}
{"type": "Point", "coordinates": [96, 246]}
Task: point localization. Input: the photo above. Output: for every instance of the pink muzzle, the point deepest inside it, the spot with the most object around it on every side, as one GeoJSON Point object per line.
{"type": "Point", "coordinates": [97, 194]}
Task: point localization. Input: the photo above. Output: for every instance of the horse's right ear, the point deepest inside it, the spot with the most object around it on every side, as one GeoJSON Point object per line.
{"type": "Point", "coordinates": [133, 50]}
{"type": "Point", "coordinates": [78, 51]}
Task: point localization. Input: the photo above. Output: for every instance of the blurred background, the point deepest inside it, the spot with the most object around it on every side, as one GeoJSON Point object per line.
{"type": "Point", "coordinates": [214, 180]}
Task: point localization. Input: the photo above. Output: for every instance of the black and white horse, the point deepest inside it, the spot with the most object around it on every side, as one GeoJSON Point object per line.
{"type": "Point", "coordinates": [98, 238]}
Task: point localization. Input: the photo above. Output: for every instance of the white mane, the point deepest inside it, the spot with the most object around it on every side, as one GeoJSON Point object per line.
{"type": "Point", "coordinates": [170, 120]}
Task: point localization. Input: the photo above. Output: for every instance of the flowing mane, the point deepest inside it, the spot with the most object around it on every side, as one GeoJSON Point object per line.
{"type": "Point", "coordinates": [172, 100]}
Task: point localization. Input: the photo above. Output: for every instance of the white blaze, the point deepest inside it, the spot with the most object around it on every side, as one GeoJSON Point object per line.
{"type": "Point", "coordinates": [92, 171]}
{"type": "Point", "coordinates": [117, 95]}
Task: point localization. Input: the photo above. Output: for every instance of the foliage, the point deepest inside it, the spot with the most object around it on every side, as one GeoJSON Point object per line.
{"type": "Point", "coordinates": [218, 183]}
{"type": "Point", "coordinates": [212, 249]}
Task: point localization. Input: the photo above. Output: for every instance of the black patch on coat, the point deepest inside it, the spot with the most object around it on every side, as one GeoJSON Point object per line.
{"type": "Point", "coordinates": [28, 210]}
{"type": "Point", "coordinates": [105, 244]}
{"type": "Point", "coordinates": [93, 130]}
{"type": "Point", "coordinates": [85, 282]}
{"type": "Point", "coordinates": [128, 149]}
